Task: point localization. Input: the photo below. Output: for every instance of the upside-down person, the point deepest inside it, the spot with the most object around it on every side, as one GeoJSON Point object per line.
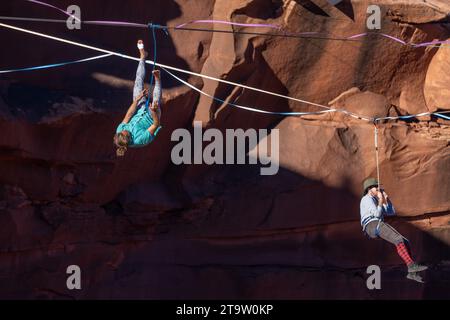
{"type": "Point", "coordinates": [375, 204]}
{"type": "Point", "coordinates": [140, 128]}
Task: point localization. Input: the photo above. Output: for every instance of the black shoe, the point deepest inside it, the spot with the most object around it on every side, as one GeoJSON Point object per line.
{"type": "Point", "coordinates": [414, 267]}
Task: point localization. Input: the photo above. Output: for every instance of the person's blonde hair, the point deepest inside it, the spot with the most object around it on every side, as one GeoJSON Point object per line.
{"type": "Point", "coordinates": [121, 142]}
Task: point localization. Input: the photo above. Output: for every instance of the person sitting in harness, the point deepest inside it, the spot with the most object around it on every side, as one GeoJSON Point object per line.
{"type": "Point", "coordinates": [375, 204]}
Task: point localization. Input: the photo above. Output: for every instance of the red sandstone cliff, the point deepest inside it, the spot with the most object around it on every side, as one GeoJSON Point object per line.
{"type": "Point", "coordinates": [141, 227]}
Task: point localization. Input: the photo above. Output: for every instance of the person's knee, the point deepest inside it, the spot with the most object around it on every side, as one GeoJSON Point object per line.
{"type": "Point", "coordinates": [371, 233]}
{"type": "Point", "coordinates": [399, 240]}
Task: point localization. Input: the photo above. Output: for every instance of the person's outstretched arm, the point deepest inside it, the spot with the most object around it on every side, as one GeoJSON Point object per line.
{"type": "Point", "coordinates": [155, 117]}
{"type": "Point", "coordinates": [132, 109]}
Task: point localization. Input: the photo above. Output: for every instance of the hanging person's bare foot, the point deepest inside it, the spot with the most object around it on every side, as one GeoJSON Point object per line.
{"type": "Point", "coordinates": [143, 53]}
{"type": "Point", "coordinates": [157, 74]}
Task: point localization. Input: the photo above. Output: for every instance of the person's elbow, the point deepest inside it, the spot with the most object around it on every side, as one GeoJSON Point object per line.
{"type": "Point", "coordinates": [152, 129]}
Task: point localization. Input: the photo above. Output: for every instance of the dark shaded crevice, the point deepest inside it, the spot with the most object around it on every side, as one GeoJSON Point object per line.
{"type": "Point", "coordinates": [346, 7]}
{"type": "Point", "coordinates": [424, 216]}
{"type": "Point", "coordinates": [268, 233]}
{"type": "Point", "coordinates": [113, 208]}
{"type": "Point", "coordinates": [312, 7]}
{"type": "Point", "coordinates": [260, 9]}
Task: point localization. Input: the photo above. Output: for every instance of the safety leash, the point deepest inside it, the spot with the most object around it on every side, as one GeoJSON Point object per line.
{"type": "Point", "coordinates": [376, 153]}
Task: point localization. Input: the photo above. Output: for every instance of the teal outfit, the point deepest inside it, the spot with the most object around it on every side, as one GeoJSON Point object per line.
{"type": "Point", "coordinates": [140, 123]}
{"type": "Point", "coordinates": [138, 128]}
